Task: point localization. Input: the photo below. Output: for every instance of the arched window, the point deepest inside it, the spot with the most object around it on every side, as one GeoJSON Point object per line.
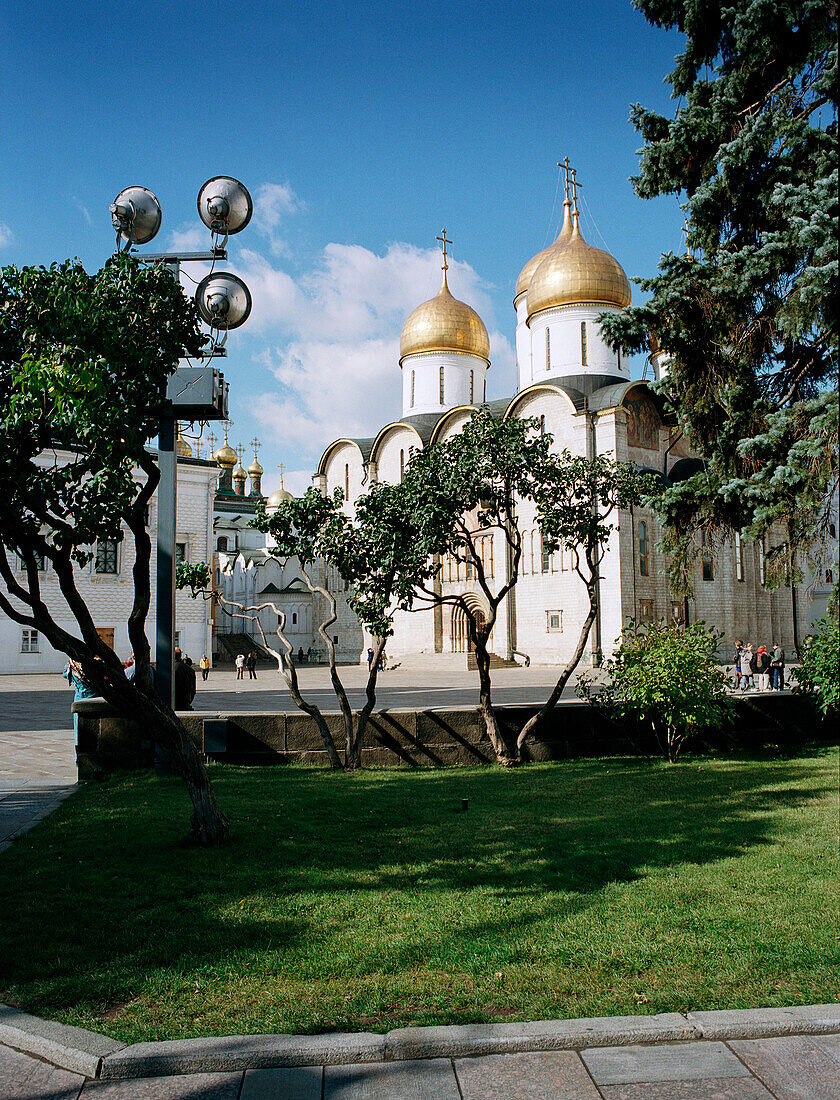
{"type": "Point", "coordinates": [347, 481]}
{"type": "Point", "coordinates": [643, 548]}
{"type": "Point", "coordinates": [412, 389]}
{"type": "Point", "coordinates": [583, 343]}
{"type": "Point", "coordinates": [547, 349]}
{"type": "Point", "coordinates": [222, 543]}
{"type": "Point", "coordinates": [442, 390]}
{"type": "Point", "coordinates": [706, 558]}
{"type": "Point", "coordinates": [545, 556]}
{"type": "Point", "coordinates": [472, 387]}
{"type": "Point", "coordinates": [402, 464]}
{"type": "Point", "coordinates": [739, 557]}
{"type": "Point", "coordinates": [618, 353]}
{"type": "Point", "coordinates": [542, 424]}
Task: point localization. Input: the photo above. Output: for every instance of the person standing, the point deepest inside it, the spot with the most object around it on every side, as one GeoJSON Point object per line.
{"type": "Point", "coordinates": [747, 667]}
{"type": "Point", "coordinates": [762, 664]}
{"type": "Point", "coordinates": [777, 667]}
{"type": "Point", "coordinates": [83, 690]}
{"type": "Point", "coordinates": [204, 665]}
{"type": "Point", "coordinates": [184, 682]}
{"type": "Point", "coordinates": [370, 659]}
{"type": "Point", "coordinates": [240, 666]}
{"type": "Point", "coordinates": [736, 663]}
{"type": "Point", "coordinates": [251, 665]}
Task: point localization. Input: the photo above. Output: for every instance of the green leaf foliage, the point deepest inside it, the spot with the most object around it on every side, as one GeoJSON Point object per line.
{"type": "Point", "coordinates": [748, 314]}
{"type": "Point", "coordinates": [818, 674]}
{"type": "Point", "coordinates": [84, 361]}
{"type": "Point", "coordinates": [665, 676]}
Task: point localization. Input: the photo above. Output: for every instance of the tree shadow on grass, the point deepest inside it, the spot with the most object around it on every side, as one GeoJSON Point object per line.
{"type": "Point", "coordinates": [101, 899]}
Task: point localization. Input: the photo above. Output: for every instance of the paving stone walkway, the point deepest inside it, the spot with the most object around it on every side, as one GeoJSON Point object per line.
{"type": "Point", "coordinates": [789, 1067]}
{"type": "Point", "coordinates": [37, 771]}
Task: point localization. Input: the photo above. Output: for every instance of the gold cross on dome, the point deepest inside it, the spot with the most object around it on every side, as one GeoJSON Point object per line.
{"type": "Point", "coordinates": [240, 450]}
{"type": "Point", "coordinates": [564, 164]}
{"type": "Point", "coordinates": [211, 439]}
{"type": "Point", "coordinates": [281, 468]}
{"type": "Point", "coordinates": [575, 187]}
{"type": "Point", "coordinates": [255, 443]}
{"type": "Point", "coordinates": [445, 242]}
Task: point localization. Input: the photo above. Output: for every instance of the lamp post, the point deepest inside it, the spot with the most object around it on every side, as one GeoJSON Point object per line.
{"type": "Point", "coordinates": [194, 393]}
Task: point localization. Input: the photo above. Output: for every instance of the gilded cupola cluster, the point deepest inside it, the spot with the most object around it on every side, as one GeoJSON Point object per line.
{"type": "Point", "coordinates": [571, 271]}
{"type": "Point", "coordinates": [444, 324]}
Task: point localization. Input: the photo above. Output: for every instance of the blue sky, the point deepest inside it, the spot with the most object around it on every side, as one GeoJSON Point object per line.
{"type": "Point", "coordinates": [361, 130]}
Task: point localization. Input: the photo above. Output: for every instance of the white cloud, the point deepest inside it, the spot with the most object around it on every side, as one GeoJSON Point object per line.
{"type": "Point", "coordinates": [6, 235]}
{"type": "Point", "coordinates": [274, 202]}
{"type": "Point", "coordinates": [338, 366]}
{"type": "Point", "coordinates": [84, 210]}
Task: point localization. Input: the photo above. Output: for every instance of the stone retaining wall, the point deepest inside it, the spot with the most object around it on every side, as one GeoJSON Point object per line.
{"type": "Point", "coordinates": [430, 738]}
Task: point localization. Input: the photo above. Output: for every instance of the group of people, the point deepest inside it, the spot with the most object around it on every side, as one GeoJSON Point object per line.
{"type": "Point", "coordinates": [759, 669]}
{"type": "Point", "coordinates": [242, 663]}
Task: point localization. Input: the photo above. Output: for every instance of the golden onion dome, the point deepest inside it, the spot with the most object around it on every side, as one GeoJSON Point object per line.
{"type": "Point", "coordinates": [527, 272]}
{"type": "Point", "coordinates": [577, 272]}
{"type": "Point", "coordinates": [225, 456]}
{"type": "Point", "coordinates": [255, 470]}
{"type": "Point", "coordinates": [240, 473]}
{"type": "Point", "coordinates": [277, 498]}
{"type": "Point", "coordinates": [182, 448]}
{"type": "Point", "coordinates": [444, 324]}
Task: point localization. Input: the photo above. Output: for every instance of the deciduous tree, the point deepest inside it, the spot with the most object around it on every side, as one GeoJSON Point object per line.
{"type": "Point", "coordinates": [84, 361]}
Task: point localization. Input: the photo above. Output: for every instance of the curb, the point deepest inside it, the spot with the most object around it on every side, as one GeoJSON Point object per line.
{"type": "Point", "coordinates": [95, 1055]}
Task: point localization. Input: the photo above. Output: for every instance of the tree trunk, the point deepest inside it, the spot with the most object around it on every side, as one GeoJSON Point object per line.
{"type": "Point", "coordinates": [504, 755]}
{"type": "Point", "coordinates": [536, 720]}
{"type": "Point", "coordinates": [354, 754]}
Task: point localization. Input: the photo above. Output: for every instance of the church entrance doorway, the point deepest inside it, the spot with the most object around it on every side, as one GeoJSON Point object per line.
{"type": "Point", "coordinates": [461, 641]}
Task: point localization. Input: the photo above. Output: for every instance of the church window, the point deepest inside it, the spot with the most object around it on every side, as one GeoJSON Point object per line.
{"type": "Point", "coordinates": [347, 481]}
{"type": "Point", "coordinates": [412, 389]}
{"type": "Point", "coordinates": [739, 557]}
{"type": "Point", "coordinates": [542, 424]}
{"type": "Point", "coordinates": [547, 349]}
{"type": "Point", "coordinates": [180, 552]}
{"type": "Point", "coordinates": [222, 543]}
{"type": "Point", "coordinates": [643, 548]}
{"type": "Point", "coordinates": [832, 530]}
{"type": "Point", "coordinates": [762, 562]}
{"type": "Point", "coordinates": [583, 343]}
{"type": "Point", "coordinates": [472, 387]}
{"type": "Point", "coordinates": [554, 622]}
{"type": "Point", "coordinates": [106, 556]}
{"type": "Point", "coordinates": [402, 464]}
{"type": "Point", "coordinates": [618, 353]}
{"type": "Point", "coordinates": [645, 611]}
{"type": "Point", "coordinates": [442, 391]}
{"type": "Point", "coordinates": [29, 641]}
{"type": "Point", "coordinates": [294, 618]}
{"type": "Point", "coordinates": [546, 556]}
{"type": "Point", "coordinates": [706, 558]}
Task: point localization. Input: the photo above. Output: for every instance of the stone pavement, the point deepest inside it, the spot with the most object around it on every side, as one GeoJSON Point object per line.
{"type": "Point", "coordinates": [757, 1054]}
{"type": "Point", "coordinates": [37, 771]}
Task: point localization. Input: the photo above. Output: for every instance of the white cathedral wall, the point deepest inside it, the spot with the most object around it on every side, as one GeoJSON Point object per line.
{"type": "Point", "coordinates": [459, 369]}
{"type": "Point", "coordinates": [524, 366]}
{"type": "Point", "coordinates": [345, 471]}
{"type": "Point", "coordinates": [394, 454]}
{"type": "Point", "coordinates": [565, 343]}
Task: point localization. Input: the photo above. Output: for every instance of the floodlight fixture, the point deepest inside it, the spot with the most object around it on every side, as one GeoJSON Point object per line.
{"type": "Point", "coordinates": [224, 205]}
{"type": "Point", "coordinates": [136, 216]}
{"type": "Point", "coordinates": [223, 300]}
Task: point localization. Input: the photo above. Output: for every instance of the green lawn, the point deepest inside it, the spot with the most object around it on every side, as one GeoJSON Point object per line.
{"type": "Point", "coordinates": [370, 901]}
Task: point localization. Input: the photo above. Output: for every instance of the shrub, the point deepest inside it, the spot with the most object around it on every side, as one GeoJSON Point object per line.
{"type": "Point", "coordinates": [667, 676]}
{"type": "Point", "coordinates": [818, 674]}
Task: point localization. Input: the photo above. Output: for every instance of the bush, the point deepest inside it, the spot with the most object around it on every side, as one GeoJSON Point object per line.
{"type": "Point", "coordinates": [667, 676]}
{"type": "Point", "coordinates": [818, 674]}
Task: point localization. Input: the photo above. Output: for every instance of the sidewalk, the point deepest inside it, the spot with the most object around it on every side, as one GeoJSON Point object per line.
{"type": "Point", "coordinates": [755, 1054]}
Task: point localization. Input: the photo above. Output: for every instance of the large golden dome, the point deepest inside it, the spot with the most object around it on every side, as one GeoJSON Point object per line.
{"type": "Point", "coordinates": [527, 272]}
{"type": "Point", "coordinates": [277, 498]}
{"type": "Point", "coordinates": [577, 272]}
{"type": "Point", "coordinates": [444, 324]}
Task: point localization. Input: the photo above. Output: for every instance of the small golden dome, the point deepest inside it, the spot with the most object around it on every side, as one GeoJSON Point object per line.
{"type": "Point", "coordinates": [240, 473]}
{"type": "Point", "coordinates": [277, 498]}
{"type": "Point", "coordinates": [527, 272]}
{"type": "Point", "coordinates": [444, 324]}
{"type": "Point", "coordinates": [225, 456]}
{"type": "Point", "coordinates": [255, 470]}
{"type": "Point", "coordinates": [577, 272]}
{"type": "Point", "coordinates": [182, 448]}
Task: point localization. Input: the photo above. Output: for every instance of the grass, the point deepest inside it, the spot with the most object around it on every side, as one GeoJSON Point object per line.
{"type": "Point", "coordinates": [370, 901]}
